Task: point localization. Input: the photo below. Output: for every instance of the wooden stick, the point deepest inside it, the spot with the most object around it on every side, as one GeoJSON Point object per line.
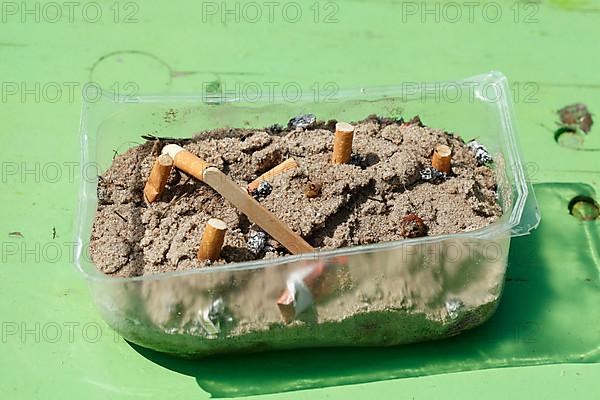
{"type": "Point", "coordinates": [342, 145]}
{"type": "Point", "coordinates": [282, 168]}
{"type": "Point", "coordinates": [241, 200]}
{"type": "Point", "coordinates": [239, 197]}
{"type": "Point", "coordinates": [442, 158]}
{"type": "Point", "coordinates": [158, 177]}
{"type": "Point", "coordinates": [212, 240]}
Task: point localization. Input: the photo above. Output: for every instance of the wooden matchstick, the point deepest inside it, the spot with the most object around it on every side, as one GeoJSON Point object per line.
{"type": "Point", "coordinates": [212, 240]}
{"type": "Point", "coordinates": [239, 197]}
{"type": "Point", "coordinates": [158, 177]}
{"type": "Point", "coordinates": [342, 145]}
{"type": "Point", "coordinates": [282, 168]}
{"type": "Point", "coordinates": [442, 158]}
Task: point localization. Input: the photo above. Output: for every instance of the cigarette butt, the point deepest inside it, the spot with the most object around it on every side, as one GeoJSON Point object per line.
{"type": "Point", "coordinates": [189, 163]}
{"type": "Point", "coordinates": [342, 145]}
{"type": "Point", "coordinates": [158, 177]}
{"type": "Point", "coordinates": [442, 158]}
{"type": "Point", "coordinates": [285, 303]}
{"type": "Point", "coordinates": [212, 240]}
{"type": "Point", "coordinates": [282, 168]}
{"type": "Point", "coordinates": [308, 286]}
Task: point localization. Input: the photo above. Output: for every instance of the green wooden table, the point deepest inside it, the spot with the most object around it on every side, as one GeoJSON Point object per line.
{"type": "Point", "coordinates": [53, 343]}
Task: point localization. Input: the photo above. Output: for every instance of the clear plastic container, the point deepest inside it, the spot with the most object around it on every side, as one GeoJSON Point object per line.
{"type": "Point", "coordinates": [381, 294]}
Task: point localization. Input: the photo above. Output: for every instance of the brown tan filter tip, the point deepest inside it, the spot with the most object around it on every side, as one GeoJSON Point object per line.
{"type": "Point", "coordinates": [342, 145]}
{"type": "Point", "coordinates": [158, 178]}
{"type": "Point", "coordinates": [442, 158]}
{"type": "Point", "coordinates": [189, 163]}
{"type": "Point", "coordinates": [212, 240]}
{"type": "Point", "coordinates": [282, 168]}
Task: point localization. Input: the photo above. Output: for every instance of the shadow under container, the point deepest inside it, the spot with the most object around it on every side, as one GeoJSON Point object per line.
{"type": "Point", "coordinates": [380, 294]}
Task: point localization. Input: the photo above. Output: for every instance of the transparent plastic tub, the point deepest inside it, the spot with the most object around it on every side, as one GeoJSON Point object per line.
{"type": "Point", "coordinates": [381, 294]}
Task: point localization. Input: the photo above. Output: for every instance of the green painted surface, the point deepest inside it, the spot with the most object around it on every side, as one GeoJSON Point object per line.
{"type": "Point", "coordinates": [53, 342]}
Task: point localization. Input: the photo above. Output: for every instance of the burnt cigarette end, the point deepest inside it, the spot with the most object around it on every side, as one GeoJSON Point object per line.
{"type": "Point", "coordinates": [257, 241]}
{"type": "Point", "coordinates": [303, 121]}
{"type": "Point", "coordinates": [442, 158]}
{"type": "Point", "coordinates": [212, 240]}
{"type": "Point", "coordinates": [412, 226]}
{"type": "Point", "coordinates": [159, 175]}
{"type": "Point", "coordinates": [262, 191]}
{"type": "Point", "coordinates": [482, 156]}
{"type": "Point", "coordinates": [430, 174]}
{"type": "Point", "coordinates": [312, 189]}
{"type": "Point", "coordinates": [342, 145]}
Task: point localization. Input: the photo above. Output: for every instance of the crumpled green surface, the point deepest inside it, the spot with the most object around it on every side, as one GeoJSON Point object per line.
{"type": "Point", "coordinates": [548, 314]}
